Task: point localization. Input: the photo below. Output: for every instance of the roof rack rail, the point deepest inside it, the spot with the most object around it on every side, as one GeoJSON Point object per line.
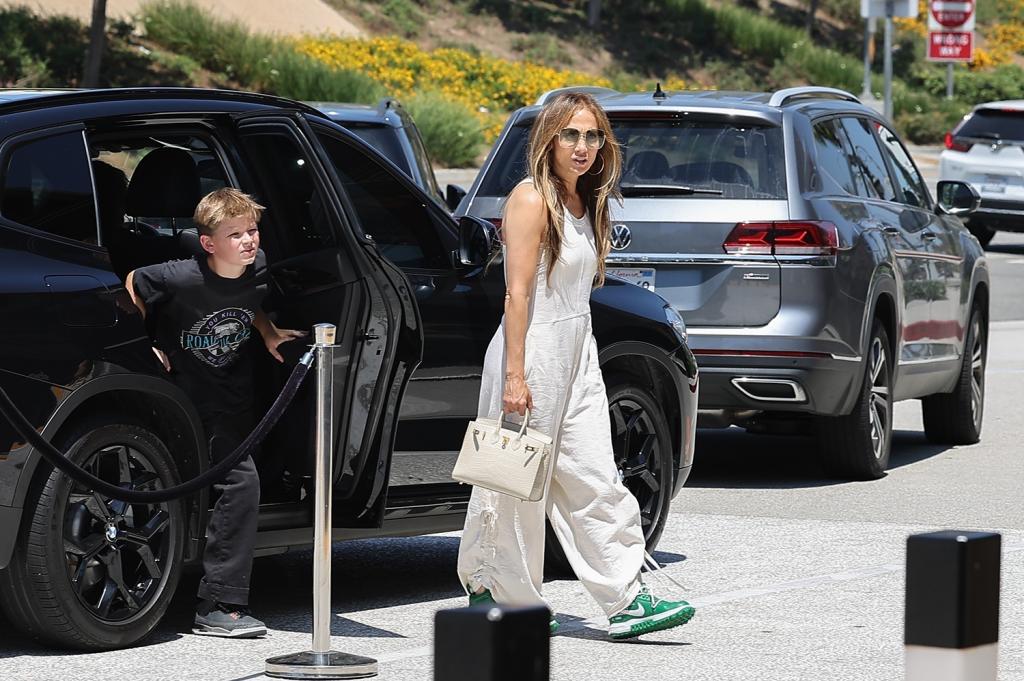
{"type": "Point", "coordinates": [595, 90]}
{"type": "Point", "coordinates": [781, 97]}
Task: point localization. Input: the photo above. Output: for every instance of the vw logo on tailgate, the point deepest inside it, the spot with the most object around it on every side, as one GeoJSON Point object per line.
{"type": "Point", "coordinates": [621, 237]}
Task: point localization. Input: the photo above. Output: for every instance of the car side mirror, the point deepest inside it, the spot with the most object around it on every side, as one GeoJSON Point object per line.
{"type": "Point", "coordinates": [453, 195]}
{"type": "Point", "coordinates": [476, 239]}
{"type": "Point", "coordinates": [957, 198]}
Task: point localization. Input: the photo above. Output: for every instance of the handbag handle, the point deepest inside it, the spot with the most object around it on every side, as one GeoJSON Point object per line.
{"type": "Point", "coordinates": [522, 427]}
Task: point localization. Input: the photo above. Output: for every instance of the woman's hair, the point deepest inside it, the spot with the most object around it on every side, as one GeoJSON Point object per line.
{"type": "Point", "coordinates": [594, 188]}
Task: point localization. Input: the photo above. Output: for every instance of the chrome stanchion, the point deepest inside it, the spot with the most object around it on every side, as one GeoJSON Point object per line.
{"type": "Point", "coordinates": [321, 662]}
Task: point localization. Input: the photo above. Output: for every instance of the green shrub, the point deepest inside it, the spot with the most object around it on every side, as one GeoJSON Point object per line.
{"type": "Point", "coordinates": [1002, 82]}
{"type": "Point", "coordinates": [543, 48]}
{"type": "Point", "coordinates": [451, 132]}
{"type": "Point", "coordinates": [255, 61]}
{"type": "Point", "coordinates": [405, 17]}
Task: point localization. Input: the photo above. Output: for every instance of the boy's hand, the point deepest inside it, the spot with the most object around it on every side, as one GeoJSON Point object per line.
{"type": "Point", "coordinates": [278, 336]}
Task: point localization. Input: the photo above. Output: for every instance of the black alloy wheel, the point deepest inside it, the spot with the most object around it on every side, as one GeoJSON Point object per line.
{"type": "Point", "coordinates": [955, 418]}
{"type": "Point", "coordinates": [643, 457]}
{"type": "Point", "coordinates": [111, 567]}
{"type": "Point", "coordinates": [857, 445]}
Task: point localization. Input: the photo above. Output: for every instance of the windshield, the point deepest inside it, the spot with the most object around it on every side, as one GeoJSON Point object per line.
{"type": "Point", "coordinates": [700, 159]}
{"type": "Point", "coordinates": [994, 124]}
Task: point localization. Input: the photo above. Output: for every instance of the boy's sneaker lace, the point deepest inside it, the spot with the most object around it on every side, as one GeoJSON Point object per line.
{"type": "Point", "coordinates": [228, 621]}
{"type": "Point", "coordinates": [648, 613]}
{"type": "Point", "coordinates": [485, 598]}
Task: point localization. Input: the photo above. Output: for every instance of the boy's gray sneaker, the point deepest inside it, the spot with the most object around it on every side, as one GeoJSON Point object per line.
{"type": "Point", "coordinates": [228, 621]}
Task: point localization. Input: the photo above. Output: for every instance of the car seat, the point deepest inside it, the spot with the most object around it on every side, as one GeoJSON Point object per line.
{"type": "Point", "coordinates": [644, 166]}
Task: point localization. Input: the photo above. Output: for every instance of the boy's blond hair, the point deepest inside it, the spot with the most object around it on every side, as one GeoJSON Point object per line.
{"type": "Point", "coordinates": [223, 204]}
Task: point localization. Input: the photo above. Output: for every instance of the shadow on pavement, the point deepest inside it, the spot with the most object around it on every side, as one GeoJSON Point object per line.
{"type": "Point", "coordinates": [732, 458]}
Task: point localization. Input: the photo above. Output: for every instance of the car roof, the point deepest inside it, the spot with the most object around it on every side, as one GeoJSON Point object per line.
{"type": "Point", "coordinates": [14, 95]}
{"type": "Point", "coordinates": [386, 112]}
{"type": "Point", "coordinates": [1007, 104]}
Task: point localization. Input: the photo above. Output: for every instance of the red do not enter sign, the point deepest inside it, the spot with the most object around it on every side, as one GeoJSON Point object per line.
{"type": "Point", "coordinates": [951, 13]}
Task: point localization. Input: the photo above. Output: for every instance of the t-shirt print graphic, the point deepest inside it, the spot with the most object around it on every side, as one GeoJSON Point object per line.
{"type": "Point", "coordinates": [215, 338]}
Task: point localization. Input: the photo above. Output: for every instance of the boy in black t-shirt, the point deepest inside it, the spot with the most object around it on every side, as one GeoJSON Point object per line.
{"type": "Point", "coordinates": [202, 312]}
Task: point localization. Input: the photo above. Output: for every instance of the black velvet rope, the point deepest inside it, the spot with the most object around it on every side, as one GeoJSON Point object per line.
{"type": "Point", "coordinates": [59, 461]}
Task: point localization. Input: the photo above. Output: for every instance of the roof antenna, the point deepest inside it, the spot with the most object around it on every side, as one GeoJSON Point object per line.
{"type": "Point", "coordinates": [659, 93]}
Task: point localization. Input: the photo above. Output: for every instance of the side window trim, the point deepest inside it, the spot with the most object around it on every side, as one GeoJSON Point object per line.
{"type": "Point", "coordinates": [12, 143]}
{"type": "Point", "coordinates": [890, 163]}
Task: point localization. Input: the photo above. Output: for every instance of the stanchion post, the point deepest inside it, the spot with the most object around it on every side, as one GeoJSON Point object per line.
{"type": "Point", "coordinates": [951, 630]}
{"type": "Point", "coordinates": [321, 662]}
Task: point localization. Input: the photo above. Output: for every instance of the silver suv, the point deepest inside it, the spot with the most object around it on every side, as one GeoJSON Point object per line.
{"type": "Point", "coordinates": [818, 279]}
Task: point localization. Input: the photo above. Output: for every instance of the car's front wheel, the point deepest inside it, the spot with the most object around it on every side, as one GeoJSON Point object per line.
{"type": "Point", "coordinates": [92, 572]}
{"type": "Point", "coordinates": [955, 418]}
{"type": "Point", "coordinates": [643, 457]}
{"type": "Point", "coordinates": [857, 445]}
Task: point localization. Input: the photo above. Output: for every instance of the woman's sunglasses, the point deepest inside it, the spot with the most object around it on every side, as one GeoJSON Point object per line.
{"type": "Point", "coordinates": [570, 137]}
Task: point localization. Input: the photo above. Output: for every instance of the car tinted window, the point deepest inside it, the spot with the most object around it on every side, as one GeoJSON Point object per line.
{"type": "Point", "coordinates": [508, 166]}
{"type": "Point", "coordinates": [742, 161]}
{"type": "Point", "coordinates": [993, 124]}
{"type": "Point", "coordinates": [867, 161]}
{"type": "Point", "coordinates": [423, 160]}
{"type": "Point", "coordinates": [397, 218]}
{"type": "Point", "coordinates": [384, 139]}
{"type": "Point", "coordinates": [833, 164]}
{"type": "Point", "coordinates": [909, 185]}
{"type": "Point", "coordinates": [47, 185]}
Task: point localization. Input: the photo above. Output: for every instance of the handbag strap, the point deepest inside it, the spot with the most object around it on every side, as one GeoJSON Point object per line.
{"type": "Point", "coordinates": [522, 427]}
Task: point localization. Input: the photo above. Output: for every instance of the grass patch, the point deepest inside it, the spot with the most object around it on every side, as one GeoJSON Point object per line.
{"type": "Point", "coordinates": [451, 133]}
{"type": "Point", "coordinates": [543, 48]}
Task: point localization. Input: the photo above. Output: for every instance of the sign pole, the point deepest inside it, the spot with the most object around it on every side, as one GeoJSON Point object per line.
{"type": "Point", "coordinates": [949, 80]}
{"type": "Point", "coordinates": [890, 9]}
{"type": "Point", "coordinates": [866, 90]}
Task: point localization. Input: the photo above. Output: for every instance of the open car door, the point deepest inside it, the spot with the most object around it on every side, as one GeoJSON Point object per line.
{"type": "Point", "coordinates": [322, 271]}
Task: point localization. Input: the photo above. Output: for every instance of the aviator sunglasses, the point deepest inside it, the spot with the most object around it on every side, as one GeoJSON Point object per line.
{"type": "Point", "coordinates": [570, 137]}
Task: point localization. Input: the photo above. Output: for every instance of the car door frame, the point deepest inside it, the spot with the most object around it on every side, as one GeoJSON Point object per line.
{"type": "Point", "coordinates": [360, 481]}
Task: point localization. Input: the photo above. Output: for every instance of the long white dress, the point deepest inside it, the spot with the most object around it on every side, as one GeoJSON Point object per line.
{"type": "Point", "coordinates": [594, 516]}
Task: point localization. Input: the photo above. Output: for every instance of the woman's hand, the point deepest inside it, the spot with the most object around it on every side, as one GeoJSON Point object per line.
{"type": "Point", "coordinates": [517, 398]}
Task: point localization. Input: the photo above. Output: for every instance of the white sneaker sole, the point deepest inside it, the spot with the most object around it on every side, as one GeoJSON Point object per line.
{"type": "Point", "coordinates": [621, 628]}
{"type": "Point", "coordinates": [251, 632]}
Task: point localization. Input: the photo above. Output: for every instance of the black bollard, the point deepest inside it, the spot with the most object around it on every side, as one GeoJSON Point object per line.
{"type": "Point", "coordinates": [951, 631]}
{"type": "Point", "coordinates": [492, 643]}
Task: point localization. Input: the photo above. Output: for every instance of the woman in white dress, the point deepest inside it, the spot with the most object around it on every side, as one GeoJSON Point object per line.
{"type": "Point", "coordinates": [543, 358]}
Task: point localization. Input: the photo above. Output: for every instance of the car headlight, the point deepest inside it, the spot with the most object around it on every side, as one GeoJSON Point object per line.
{"type": "Point", "coordinates": [675, 320]}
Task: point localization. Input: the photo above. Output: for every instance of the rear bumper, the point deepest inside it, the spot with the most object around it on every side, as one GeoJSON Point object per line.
{"type": "Point", "coordinates": [812, 385]}
{"type": "Point", "coordinates": [1000, 214]}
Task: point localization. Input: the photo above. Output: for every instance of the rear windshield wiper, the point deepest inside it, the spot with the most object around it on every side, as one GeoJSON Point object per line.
{"type": "Point", "coordinates": [663, 190]}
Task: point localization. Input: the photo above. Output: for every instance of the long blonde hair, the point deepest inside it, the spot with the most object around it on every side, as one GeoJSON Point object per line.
{"type": "Point", "coordinates": [594, 188]}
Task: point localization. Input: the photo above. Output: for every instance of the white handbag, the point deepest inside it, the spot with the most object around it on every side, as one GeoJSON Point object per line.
{"type": "Point", "coordinates": [504, 460]}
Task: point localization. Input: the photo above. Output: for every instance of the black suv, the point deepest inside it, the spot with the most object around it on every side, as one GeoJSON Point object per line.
{"type": "Point", "coordinates": [96, 183]}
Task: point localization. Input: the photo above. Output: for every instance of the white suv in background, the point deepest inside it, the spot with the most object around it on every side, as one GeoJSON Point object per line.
{"type": "Point", "coordinates": [986, 150]}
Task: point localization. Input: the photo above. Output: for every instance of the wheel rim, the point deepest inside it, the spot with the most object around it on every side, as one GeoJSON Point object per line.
{"type": "Point", "coordinates": [116, 552]}
{"type": "Point", "coordinates": [638, 456]}
{"type": "Point", "coordinates": [977, 372]}
{"type": "Point", "coordinates": [878, 410]}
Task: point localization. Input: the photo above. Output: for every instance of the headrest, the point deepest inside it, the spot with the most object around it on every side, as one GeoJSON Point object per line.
{"type": "Point", "coordinates": [165, 184]}
{"type": "Point", "coordinates": [648, 165]}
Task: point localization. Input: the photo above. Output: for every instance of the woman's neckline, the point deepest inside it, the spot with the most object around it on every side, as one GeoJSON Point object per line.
{"type": "Point", "coordinates": [577, 219]}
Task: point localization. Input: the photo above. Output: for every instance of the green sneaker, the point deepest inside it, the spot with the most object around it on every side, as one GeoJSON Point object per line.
{"type": "Point", "coordinates": [485, 598]}
{"type": "Point", "coordinates": [648, 613]}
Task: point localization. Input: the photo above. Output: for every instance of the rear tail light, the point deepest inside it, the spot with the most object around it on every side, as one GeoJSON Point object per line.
{"type": "Point", "coordinates": [497, 227]}
{"type": "Point", "coordinates": [794, 237]}
{"type": "Point", "coordinates": [954, 144]}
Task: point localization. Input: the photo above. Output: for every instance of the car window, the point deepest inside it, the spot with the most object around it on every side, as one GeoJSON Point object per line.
{"type": "Point", "coordinates": [508, 166]}
{"type": "Point", "coordinates": [1002, 124]}
{"type": "Point", "coordinates": [743, 161]}
{"type": "Point", "coordinates": [423, 160]}
{"type": "Point", "coordinates": [867, 161]}
{"type": "Point", "coordinates": [47, 184]}
{"type": "Point", "coordinates": [833, 162]}
{"type": "Point", "coordinates": [384, 139]}
{"type": "Point", "coordinates": [294, 203]}
{"type": "Point", "coordinates": [396, 218]}
{"type": "Point", "coordinates": [909, 185]}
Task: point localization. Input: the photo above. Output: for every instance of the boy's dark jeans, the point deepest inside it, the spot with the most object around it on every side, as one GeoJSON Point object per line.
{"type": "Point", "coordinates": [231, 532]}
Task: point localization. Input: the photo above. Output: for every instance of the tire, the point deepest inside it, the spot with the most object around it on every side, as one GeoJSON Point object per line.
{"type": "Point", "coordinates": [955, 418]}
{"type": "Point", "coordinates": [643, 455]}
{"type": "Point", "coordinates": [982, 233]}
{"type": "Point", "coordinates": [857, 445]}
{"type": "Point", "coordinates": [61, 585]}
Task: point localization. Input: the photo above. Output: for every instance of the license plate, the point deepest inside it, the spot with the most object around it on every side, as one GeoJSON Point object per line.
{"type": "Point", "coordinates": [641, 276]}
{"type": "Point", "coordinates": [995, 184]}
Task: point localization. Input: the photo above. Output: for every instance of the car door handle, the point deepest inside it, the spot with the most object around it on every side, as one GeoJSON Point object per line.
{"type": "Point", "coordinates": [891, 231]}
{"type": "Point", "coordinates": [928, 235]}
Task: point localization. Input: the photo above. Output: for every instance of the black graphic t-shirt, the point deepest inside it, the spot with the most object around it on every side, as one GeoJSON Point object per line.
{"type": "Point", "coordinates": [202, 321]}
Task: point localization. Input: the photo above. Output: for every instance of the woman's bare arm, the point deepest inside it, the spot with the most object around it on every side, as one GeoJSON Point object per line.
{"type": "Point", "coordinates": [523, 228]}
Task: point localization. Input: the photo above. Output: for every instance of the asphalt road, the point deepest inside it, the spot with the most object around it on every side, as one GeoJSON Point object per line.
{"type": "Point", "coordinates": [796, 577]}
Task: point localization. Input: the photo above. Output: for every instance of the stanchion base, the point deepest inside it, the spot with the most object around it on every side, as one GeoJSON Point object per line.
{"type": "Point", "coordinates": [329, 665]}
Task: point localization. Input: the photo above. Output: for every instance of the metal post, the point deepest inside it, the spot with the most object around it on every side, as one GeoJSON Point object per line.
{"type": "Point", "coordinates": [890, 9]}
{"type": "Point", "coordinates": [865, 92]}
{"type": "Point", "coordinates": [949, 80]}
{"type": "Point", "coordinates": [321, 662]}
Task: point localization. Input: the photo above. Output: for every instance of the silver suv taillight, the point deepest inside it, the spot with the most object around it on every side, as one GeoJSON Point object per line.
{"type": "Point", "coordinates": [783, 237]}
